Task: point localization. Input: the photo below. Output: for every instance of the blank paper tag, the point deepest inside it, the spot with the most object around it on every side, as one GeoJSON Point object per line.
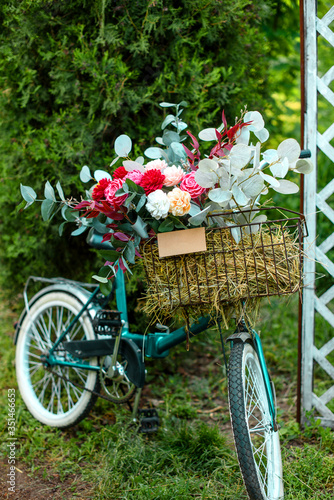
{"type": "Point", "coordinates": [181, 242]}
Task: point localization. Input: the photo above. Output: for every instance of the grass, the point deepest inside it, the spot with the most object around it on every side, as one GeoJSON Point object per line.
{"type": "Point", "coordinates": [192, 455]}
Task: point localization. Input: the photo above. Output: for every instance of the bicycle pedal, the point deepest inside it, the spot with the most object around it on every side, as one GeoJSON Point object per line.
{"type": "Point", "coordinates": [107, 322]}
{"type": "Point", "coordinates": [149, 420]}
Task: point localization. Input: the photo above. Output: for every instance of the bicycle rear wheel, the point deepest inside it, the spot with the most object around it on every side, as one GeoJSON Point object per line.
{"type": "Point", "coordinates": [257, 444]}
{"type": "Point", "coordinates": [52, 394]}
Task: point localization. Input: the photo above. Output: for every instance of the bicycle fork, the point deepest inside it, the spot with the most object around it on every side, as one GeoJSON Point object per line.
{"type": "Point", "coordinates": [243, 334]}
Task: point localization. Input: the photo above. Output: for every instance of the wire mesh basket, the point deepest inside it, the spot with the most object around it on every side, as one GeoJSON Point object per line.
{"type": "Point", "coordinates": [265, 261]}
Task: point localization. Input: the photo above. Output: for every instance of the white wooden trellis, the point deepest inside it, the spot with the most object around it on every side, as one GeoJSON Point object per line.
{"type": "Point", "coordinates": [315, 84]}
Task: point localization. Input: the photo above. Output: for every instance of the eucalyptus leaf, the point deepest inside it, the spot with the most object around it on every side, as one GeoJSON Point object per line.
{"type": "Point", "coordinates": [99, 226]}
{"type": "Point", "coordinates": [85, 175]}
{"type": "Point", "coordinates": [49, 192]}
{"type": "Point", "coordinates": [208, 134]}
{"type": "Point", "coordinates": [166, 226]}
{"type": "Point", "coordinates": [153, 153]}
{"type": "Point", "coordinates": [126, 265]}
{"type": "Point", "coordinates": [47, 209]}
{"type": "Point", "coordinates": [206, 179]}
{"type": "Point", "coordinates": [140, 160]}
{"type": "Point", "coordinates": [239, 196]}
{"type": "Point", "coordinates": [141, 202]}
{"type": "Point", "coordinates": [198, 219]}
{"type": "Point", "coordinates": [252, 186]}
{"type": "Point", "coordinates": [110, 255]}
{"type": "Point", "coordinates": [100, 279]}
{"type": "Point", "coordinates": [68, 213]}
{"type": "Point", "coordinates": [79, 231]}
{"type": "Point", "coordinates": [61, 228]}
{"type": "Point", "coordinates": [130, 165]}
{"type": "Point", "coordinates": [123, 145]}
{"type": "Point", "coordinates": [178, 149]}
{"type": "Point", "coordinates": [60, 191]}
{"type": "Point", "coordinates": [281, 168]}
{"type": "Point", "coordinates": [169, 119]}
{"type": "Point", "coordinates": [240, 155]}
{"type": "Point", "coordinates": [180, 126]}
{"type": "Point", "coordinates": [140, 227]}
{"type": "Point", "coordinates": [169, 136]}
{"type": "Point", "coordinates": [262, 135]}
{"type": "Point", "coordinates": [160, 141]}
{"type": "Point", "coordinates": [286, 187]}
{"type": "Point", "coordinates": [167, 104]}
{"type": "Point", "coordinates": [218, 195]}
{"type": "Point", "coordinates": [106, 288]}
{"type": "Point", "coordinates": [129, 252]}
{"type": "Point", "coordinates": [101, 174]}
{"type": "Point", "coordinates": [115, 160]}
{"type": "Point", "coordinates": [304, 166]}
{"type": "Point", "coordinates": [194, 209]}
{"type": "Point", "coordinates": [271, 180]}
{"type": "Point", "coordinates": [208, 165]}
{"type": "Point", "coordinates": [257, 121]}
{"type": "Point", "coordinates": [289, 149]}
{"type": "Point", "coordinates": [183, 103]}
{"type": "Point", "coordinates": [28, 194]}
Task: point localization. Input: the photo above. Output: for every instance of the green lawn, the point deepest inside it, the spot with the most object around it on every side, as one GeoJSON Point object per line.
{"type": "Point", "coordinates": [192, 455]}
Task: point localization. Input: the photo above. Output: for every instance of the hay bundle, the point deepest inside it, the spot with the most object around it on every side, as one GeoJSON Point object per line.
{"type": "Point", "coordinates": [227, 274]}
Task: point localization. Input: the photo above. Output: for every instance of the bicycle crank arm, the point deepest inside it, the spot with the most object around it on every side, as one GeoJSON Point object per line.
{"type": "Point", "coordinates": [103, 347]}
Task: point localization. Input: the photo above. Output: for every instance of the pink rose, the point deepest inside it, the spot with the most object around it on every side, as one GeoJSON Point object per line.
{"type": "Point", "coordinates": [134, 176]}
{"type": "Point", "coordinates": [173, 175]}
{"type": "Point", "coordinates": [109, 193]}
{"type": "Point", "coordinates": [190, 185]}
{"type": "Point", "coordinates": [156, 165]}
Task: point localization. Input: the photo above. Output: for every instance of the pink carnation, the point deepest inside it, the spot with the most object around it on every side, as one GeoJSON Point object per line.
{"type": "Point", "coordinates": [135, 176]}
{"type": "Point", "coordinates": [190, 185]}
{"type": "Point", "coordinates": [173, 175]}
{"type": "Point", "coordinates": [109, 192]}
{"type": "Point", "coordinates": [156, 165]}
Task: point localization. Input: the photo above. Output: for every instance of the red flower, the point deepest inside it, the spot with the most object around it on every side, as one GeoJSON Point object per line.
{"type": "Point", "coordinates": [120, 173]}
{"type": "Point", "coordinates": [152, 180]}
{"type": "Point", "coordinates": [98, 191]}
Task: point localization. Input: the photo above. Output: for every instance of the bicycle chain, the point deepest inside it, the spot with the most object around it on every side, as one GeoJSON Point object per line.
{"type": "Point", "coordinates": [95, 393]}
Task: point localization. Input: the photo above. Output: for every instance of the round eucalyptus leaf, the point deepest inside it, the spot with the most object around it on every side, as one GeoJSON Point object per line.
{"type": "Point", "coordinates": [289, 149]}
{"type": "Point", "coordinates": [257, 121]}
{"type": "Point", "coordinates": [130, 165]}
{"type": "Point", "coordinates": [123, 145]}
{"type": "Point", "coordinates": [281, 168]}
{"type": "Point", "coordinates": [271, 180]}
{"type": "Point", "coordinates": [208, 134]}
{"type": "Point", "coordinates": [239, 196]}
{"type": "Point", "coordinates": [101, 174]}
{"type": "Point", "coordinates": [219, 196]}
{"type": "Point", "coordinates": [304, 166]}
{"type": "Point", "coordinates": [85, 175]}
{"type": "Point", "coordinates": [262, 135]}
{"type": "Point", "coordinates": [178, 149]}
{"type": "Point", "coordinates": [205, 179]}
{"type": "Point", "coordinates": [286, 187]}
{"type": "Point", "coordinates": [240, 155]}
{"type": "Point", "coordinates": [253, 186]}
{"type": "Point", "coordinates": [153, 153]}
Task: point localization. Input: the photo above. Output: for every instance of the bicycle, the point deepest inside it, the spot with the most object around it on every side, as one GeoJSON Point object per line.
{"type": "Point", "coordinates": [69, 346]}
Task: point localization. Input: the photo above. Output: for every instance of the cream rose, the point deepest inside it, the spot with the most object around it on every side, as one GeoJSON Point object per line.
{"type": "Point", "coordinates": [179, 202]}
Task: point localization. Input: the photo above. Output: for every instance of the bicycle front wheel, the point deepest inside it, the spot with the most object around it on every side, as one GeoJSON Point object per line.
{"type": "Point", "coordinates": [257, 444]}
{"type": "Point", "coordinates": [52, 394]}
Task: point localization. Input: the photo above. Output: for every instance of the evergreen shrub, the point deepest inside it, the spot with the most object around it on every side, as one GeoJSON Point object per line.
{"type": "Point", "coordinates": [75, 74]}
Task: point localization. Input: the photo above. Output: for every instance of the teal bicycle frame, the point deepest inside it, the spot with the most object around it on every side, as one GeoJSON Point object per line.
{"type": "Point", "coordinates": [157, 345]}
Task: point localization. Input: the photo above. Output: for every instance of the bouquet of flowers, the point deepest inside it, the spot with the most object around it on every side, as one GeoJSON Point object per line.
{"type": "Point", "coordinates": [175, 186]}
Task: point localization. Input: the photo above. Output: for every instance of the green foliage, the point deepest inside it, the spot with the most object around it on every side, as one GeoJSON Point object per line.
{"type": "Point", "coordinates": [75, 75]}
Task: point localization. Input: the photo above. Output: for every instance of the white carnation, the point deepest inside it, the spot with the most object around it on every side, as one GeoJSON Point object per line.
{"type": "Point", "coordinates": [158, 204]}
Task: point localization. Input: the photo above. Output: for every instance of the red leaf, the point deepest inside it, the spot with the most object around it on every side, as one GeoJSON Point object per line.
{"type": "Point", "coordinates": [195, 142]}
{"type": "Point", "coordinates": [121, 236]}
{"type": "Point", "coordinates": [189, 153]}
